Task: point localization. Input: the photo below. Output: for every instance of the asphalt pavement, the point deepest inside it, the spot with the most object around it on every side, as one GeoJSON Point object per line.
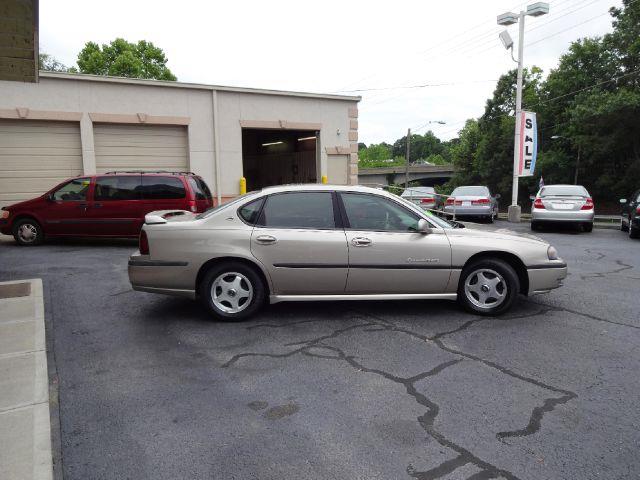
{"type": "Point", "coordinates": [149, 387]}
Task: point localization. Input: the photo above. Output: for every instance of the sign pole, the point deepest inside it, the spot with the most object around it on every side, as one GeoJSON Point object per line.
{"type": "Point", "coordinates": [514, 208]}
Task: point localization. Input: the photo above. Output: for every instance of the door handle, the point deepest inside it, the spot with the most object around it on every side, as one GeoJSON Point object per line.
{"type": "Point", "coordinates": [83, 205]}
{"type": "Point", "coordinates": [361, 242]}
{"type": "Point", "coordinates": [266, 239]}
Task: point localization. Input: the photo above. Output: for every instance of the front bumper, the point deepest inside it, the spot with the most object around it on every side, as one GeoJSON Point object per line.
{"type": "Point", "coordinates": [160, 276]}
{"type": "Point", "coordinates": [545, 215]}
{"type": "Point", "coordinates": [5, 226]}
{"type": "Point", "coordinates": [543, 278]}
{"type": "Point", "coordinates": [470, 211]}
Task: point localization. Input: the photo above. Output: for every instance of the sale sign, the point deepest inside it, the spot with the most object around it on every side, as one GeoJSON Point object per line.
{"type": "Point", "coordinates": [528, 144]}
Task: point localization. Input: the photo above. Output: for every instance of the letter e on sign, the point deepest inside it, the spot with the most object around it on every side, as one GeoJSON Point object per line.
{"type": "Point", "coordinates": [528, 145]}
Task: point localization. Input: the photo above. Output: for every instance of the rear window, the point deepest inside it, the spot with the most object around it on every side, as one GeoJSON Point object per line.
{"type": "Point", "coordinates": [200, 189]}
{"type": "Point", "coordinates": [117, 188]}
{"type": "Point", "coordinates": [162, 188]}
{"type": "Point", "coordinates": [417, 191]}
{"type": "Point", "coordinates": [563, 191]}
{"type": "Point", "coordinates": [470, 191]}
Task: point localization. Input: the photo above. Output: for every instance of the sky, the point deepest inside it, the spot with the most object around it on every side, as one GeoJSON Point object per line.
{"type": "Point", "coordinates": [337, 46]}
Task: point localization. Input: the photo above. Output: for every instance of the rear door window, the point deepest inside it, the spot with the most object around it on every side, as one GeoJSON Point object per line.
{"type": "Point", "coordinates": [199, 188]}
{"type": "Point", "coordinates": [155, 187]}
{"type": "Point", "coordinates": [117, 188]}
{"type": "Point", "coordinates": [249, 212]}
{"type": "Point", "coordinates": [312, 210]}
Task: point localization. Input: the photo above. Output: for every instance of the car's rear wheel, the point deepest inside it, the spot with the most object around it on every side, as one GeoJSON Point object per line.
{"type": "Point", "coordinates": [535, 226]}
{"type": "Point", "coordinates": [634, 232]}
{"type": "Point", "coordinates": [27, 232]}
{"type": "Point", "coordinates": [232, 291]}
{"type": "Point", "coordinates": [587, 227]}
{"type": "Point", "coordinates": [623, 227]}
{"type": "Point", "coordinates": [488, 287]}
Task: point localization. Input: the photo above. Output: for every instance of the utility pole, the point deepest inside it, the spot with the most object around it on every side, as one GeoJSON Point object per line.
{"type": "Point", "coordinates": [406, 171]}
{"type": "Point", "coordinates": [575, 176]}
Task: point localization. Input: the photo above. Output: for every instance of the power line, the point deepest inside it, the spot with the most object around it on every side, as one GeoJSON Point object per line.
{"type": "Point", "coordinates": [402, 87]}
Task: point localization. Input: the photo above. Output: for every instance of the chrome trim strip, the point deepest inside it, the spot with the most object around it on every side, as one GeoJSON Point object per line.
{"type": "Point", "coordinates": [409, 266]}
{"type": "Point", "coordinates": [156, 263]}
{"type": "Point", "coordinates": [386, 296]}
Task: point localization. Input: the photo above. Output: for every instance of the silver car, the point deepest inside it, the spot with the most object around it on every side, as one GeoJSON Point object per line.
{"type": "Point", "coordinates": [472, 201]}
{"type": "Point", "coordinates": [424, 197]}
{"type": "Point", "coordinates": [323, 242]}
{"type": "Point", "coordinates": [563, 204]}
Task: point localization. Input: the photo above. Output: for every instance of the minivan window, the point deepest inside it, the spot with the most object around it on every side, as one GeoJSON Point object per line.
{"type": "Point", "coordinates": [76, 190]}
{"type": "Point", "coordinates": [155, 187]}
{"type": "Point", "coordinates": [299, 210]}
{"type": "Point", "coordinates": [200, 189]}
{"type": "Point", "coordinates": [117, 188]}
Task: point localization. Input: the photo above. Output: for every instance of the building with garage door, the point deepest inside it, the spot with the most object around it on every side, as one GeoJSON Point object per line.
{"type": "Point", "coordinates": [64, 125]}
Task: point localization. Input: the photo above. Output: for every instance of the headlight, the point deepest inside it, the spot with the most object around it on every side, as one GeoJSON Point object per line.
{"type": "Point", "coordinates": [4, 213]}
{"type": "Point", "coordinates": [552, 253]}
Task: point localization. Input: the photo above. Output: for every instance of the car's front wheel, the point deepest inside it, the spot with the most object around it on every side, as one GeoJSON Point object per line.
{"type": "Point", "coordinates": [488, 287]}
{"type": "Point", "coordinates": [232, 291]}
{"type": "Point", "coordinates": [27, 232]}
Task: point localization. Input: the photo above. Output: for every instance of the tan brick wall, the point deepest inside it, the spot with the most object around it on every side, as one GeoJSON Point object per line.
{"type": "Point", "coordinates": [19, 40]}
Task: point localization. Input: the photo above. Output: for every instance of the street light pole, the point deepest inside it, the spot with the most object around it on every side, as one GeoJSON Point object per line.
{"type": "Point", "coordinates": [406, 171]}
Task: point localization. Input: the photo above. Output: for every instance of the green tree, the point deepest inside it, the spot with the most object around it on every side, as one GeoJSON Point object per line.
{"type": "Point", "coordinates": [125, 59]}
{"type": "Point", "coordinates": [50, 64]}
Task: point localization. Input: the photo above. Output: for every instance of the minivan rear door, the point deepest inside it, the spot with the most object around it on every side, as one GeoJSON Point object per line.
{"type": "Point", "coordinates": [116, 208]}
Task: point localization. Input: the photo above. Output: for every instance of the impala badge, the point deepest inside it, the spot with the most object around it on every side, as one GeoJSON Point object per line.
{"type": "Point", "coordinates": [423, 260]}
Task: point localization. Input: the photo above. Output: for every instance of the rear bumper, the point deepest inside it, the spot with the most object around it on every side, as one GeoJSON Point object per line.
{"type": "Point", "coordinates": [160, 276]}
{"type": "Point", "coordinates": [471, 211]}
{"type": "Point", "coordinates": [544, 215]}
{"type": "Point", "coordinates": [543, 278]}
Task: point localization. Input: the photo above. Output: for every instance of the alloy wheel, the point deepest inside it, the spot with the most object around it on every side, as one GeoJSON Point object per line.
{"type": "Point", "coordinates": [28, 233]}
{"type": "Point", "coordinates": [231, 292]}
{"type": "Point", "coordinates": [485, 288]}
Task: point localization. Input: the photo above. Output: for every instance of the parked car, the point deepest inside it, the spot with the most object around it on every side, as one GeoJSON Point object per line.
{"type": "Point", "coordinates": [563, 204]}
{"type": "Point", "coordinates": [630, 218]}
{"type": "Point", "coordinates": [107, 205]}
{"type": "Point", "coordinates": [323, 242]}
{"type": "Point", "coordinates": [423, 197]}
{"type": "Point", "coordinates": [473, 201]}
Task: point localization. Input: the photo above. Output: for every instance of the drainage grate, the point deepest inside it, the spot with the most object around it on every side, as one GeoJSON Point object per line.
{"type": "Point", "coordinates": [12, 290]}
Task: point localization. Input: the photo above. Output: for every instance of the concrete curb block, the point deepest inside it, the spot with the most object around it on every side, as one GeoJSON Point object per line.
{"type": "Point", "coordinates": [25, 431]}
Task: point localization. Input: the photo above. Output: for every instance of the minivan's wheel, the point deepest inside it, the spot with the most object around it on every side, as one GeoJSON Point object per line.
{"type": "Point", "coordinates": [587, 227]}
{"type": "Point", "coordinates": [488, 287]}
{"type": "Point", "coordinates": [232, 291]}
{"type": "Point", "coordinates": [28, 232]}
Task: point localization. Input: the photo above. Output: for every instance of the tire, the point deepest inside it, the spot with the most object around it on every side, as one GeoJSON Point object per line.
{"type": "Point", "coordinates": [27, 232]}
{"type": "Point", "coordinates": [489, 269]}
{"type": "Point", "coordinates": [587, 227]}
{"type": "Point", "coordinates": [535, 226]}
{"type": "Point", "coordinates": [623, 227]}
{"type": "Point", "coordinates": [233, 282]}
{"type": "Point", "coordinates": [634, 232]}
{"type": "Point", "coordinates": [490, 219]}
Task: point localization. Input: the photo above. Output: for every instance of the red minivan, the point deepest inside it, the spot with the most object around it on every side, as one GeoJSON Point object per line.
{"type": "Point", "coordinates": [108, 205]}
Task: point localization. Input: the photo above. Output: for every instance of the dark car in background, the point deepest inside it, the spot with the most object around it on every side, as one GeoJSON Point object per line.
{"type": "Point", "coordinates": [105, 205]}
{"type": "Point", "coordinates": [630, 216]}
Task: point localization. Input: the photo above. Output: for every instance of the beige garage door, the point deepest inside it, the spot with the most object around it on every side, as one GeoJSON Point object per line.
{"type": "Point", "coordinates": [35, 156]}
{"type": "Point", "coordinates": [140, 147]}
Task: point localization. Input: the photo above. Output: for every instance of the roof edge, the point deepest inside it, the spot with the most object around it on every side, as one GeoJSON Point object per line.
{"type": "Point", "coordinates": [195, 86]}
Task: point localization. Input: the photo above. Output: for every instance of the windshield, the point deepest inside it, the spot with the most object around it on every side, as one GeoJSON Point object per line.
{"type": "Point", "coordinates": [213, 210]}
{"type": "Point", "coordinates": [563, 191]}
{"type": "Point", "coordinates": [470, 191]}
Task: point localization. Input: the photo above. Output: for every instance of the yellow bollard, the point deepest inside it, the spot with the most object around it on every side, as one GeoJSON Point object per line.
{"type": "Point", "coordinates": [243, 185]}
{"type": "Point", "coordinates": [325, 179]}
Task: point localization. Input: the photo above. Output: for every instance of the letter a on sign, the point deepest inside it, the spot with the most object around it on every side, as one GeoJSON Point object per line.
{"type": "Point", "coordinates": [528, 147]}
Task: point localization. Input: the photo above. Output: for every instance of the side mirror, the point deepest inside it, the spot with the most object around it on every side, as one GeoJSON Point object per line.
{"type": "Point", "coordinates": [423, 226]}
{"type": "Point", "coordinates": [623, 201]}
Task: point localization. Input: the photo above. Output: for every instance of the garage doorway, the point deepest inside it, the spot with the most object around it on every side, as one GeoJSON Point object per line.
{"type": "Point", "coordinates": [277, 157]}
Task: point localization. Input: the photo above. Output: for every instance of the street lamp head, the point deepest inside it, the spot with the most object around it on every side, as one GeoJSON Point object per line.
{"type": "Point", "coordinates": [506, 39]}
{"type": "Point", "coordinates": [555, 137]}
{"type": "Point", "coordinates": [507, 19]}
{"type": "Point", "coordinates": [537, 9]}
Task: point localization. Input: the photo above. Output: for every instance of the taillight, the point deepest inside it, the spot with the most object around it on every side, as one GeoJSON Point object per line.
{"type": "Point", "coordinates": [426, 200]}
{"type": "Point", "coordinates": [193, 206]}
{"type": "Point", "coordinates": [450, 201]}
{"type": "Point", "coordinates": [638, 210]}
{"type": "Point", "coordinates": [480, 201]}
{"type": "Point", "coordinates": [588, 205]}
{"type": "Point", "coordinates": [537, 203]}
{"type": "Point", "coordinates": [144, 243]}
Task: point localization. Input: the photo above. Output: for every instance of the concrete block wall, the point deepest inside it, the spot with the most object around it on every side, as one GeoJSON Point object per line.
{"type": "Point", "coordinates": [19, 40]}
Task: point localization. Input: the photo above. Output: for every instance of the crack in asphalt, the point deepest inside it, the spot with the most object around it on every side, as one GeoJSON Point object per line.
{"type": "Point", "coordinates": [582, 314]}
{"type": "Point", "coordinates": [317, 349]}
{"type": "Point", "coordinates": [622, 267]}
